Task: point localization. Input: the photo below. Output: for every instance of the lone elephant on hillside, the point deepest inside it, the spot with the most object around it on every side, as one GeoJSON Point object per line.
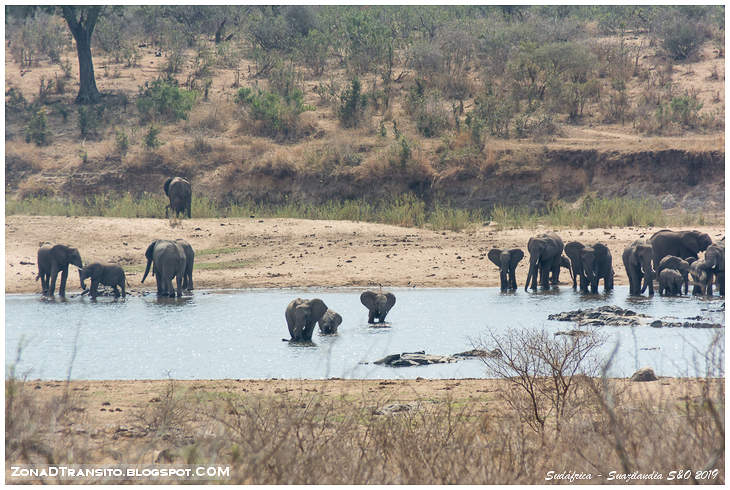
{"type": "Point", "coordinates": [180, 194]}
{"type": "Point", "coordinates": [51, 260]}
{"type": "Point", "coordinates": [378, 304]}
{"type": "Point", "coordinates": [507, 261]}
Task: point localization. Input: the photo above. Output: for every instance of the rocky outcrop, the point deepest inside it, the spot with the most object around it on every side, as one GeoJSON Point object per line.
{"type": "Point", "coordinates": [603, 315]}
{"type": "Point", "coordinates": [644, 374]}
{"type": "Point", "coordinates": [479, 353]}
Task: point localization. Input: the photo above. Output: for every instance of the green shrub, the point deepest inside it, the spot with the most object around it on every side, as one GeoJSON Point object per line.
{"type": "Point", "coordinates": [278, 116]}
{"type": "Point", "coordinates": [150, 138]}
{"type": "Point", "coordinates": [37, 129]}
{"type": "Point", "coordinates": [164, 99]}
{"type": "Point", "coordinates": [428, 112]}
{"type": "Point", "coordinates": [352, 105]}
{"type": "Point", "coordinates": [88, 121]}
{"type": "Point", "coordinates": [121, 142]}
{"type": "Point", "coordinates": [682, 37]}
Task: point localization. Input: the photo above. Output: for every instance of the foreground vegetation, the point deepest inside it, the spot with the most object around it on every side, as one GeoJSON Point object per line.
{"type": "Point", "coordinates": [406, 210]}
{"type": "Point", "coordinates": [544, 415]}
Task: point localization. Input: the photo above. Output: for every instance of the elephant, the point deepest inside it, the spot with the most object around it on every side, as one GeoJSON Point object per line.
{"type": "Point", "coordinates": [546, 251]}
{"type": "Point", "coordinates": [715, 266]}
{"type": "Point", "coordinates": [701, 277]}
{"type": "Point", "coordinates": [52, 259]}
{"type": "Point", "coordinates": [329, 322]}
{"type": "Point", "coordinates": [681, 244]}
{"type": "Point", "coordinates": [106, 274]}
{"type": "Point", "coordinates": [670, 282]}
{"type": "Point", "coordinates": [378, 304]}
{"type": "Point", "coordinates": [301, 315]}
{"type": "Point", "coordinates": [597, 264]}
{"type": "Point", "coordinates": [180, 194]}
{"type": "Point", "coordinates": [169, 259]}
{"type": "Point", "coordinates": [573, 250]}
{"type": "Point", "coordinates": [680, 265]}
{"type": "Point", "coordinates": [507, 261]}
{"type": "Point", "coordinates": [637, 259]}
{"type": "Point", "coordinates": [189, 263]}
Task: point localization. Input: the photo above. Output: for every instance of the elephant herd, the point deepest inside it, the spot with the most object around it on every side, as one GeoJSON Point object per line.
{"type": "Point", "coordinates": [670, 257]}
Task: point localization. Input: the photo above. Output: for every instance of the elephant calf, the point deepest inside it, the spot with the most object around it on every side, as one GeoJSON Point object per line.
{"type": "Point", "coordinates": [680, 265]}
{"type": "Point", "coordinates": [329, 322]}
{"type": "Point", "coordinates": [507, 261]}
{"type": "Point", "coordinates": [378, 304]}
{"type": "Point", "coordinates": [670, 282]}
{"type": "Point", "coordinates": [701, 278]}
{"type": "Point", "coordinates": [105, 274]}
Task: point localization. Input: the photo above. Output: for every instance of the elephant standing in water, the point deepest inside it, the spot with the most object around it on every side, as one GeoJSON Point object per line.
{"type": "Point", "coordinates": [180, 194]}
{"type": "Point", "coordinates": [637, 262]}
{"type": "Point", "coordinates": [546, 253]}
{"type": "Point", "coordinates": [597, 264]}
{"type": "Point", "coordinates": [189, 263]}
{"type": "Point", "coordinates": [105, 274]}
{"type": "Point", "coordinates": [329, 322]}
{"type": "Point", "coordinates": [715, 266]}
{"type": "Point", "coordinates": [701, 277]}
{"type": "Point", "coordinates": [51, 260]}
{"type": "Point", "coordinates": [378, 304]}
{"type": "Point", "coordinates": [169, 262]}
{"type": "Point", "coordinates": [670, 282]}
{"type": "Point", "coordinates": [507, 261]}
{"type": "Point", "coordinates": [301, 315]}
{"type": "Point", "coordinates": [675, 263]}
{"type": "Point", "coordinates": [682, 244]}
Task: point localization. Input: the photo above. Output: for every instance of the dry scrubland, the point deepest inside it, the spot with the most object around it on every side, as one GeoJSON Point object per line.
{"type": "Point", "coordinates": [369, 431]}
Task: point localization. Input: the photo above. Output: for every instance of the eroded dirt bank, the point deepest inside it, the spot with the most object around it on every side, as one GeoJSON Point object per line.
{"type": "Point", "coordinates": [242, 253]}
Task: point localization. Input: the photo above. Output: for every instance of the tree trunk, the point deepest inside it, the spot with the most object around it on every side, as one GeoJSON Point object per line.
{"type": "Point", "coordinates": [81, 22]}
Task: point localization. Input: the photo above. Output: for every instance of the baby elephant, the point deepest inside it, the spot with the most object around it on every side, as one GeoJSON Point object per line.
{"type": "Point", "coordinates": [507, 261]}
{"type": "Point", "coordinates": [378, 303]}
{"type": "Point", "coordinates": [670, 282]}
{"type": "Point", "coordinates": [105, 274]}
{"type": "Point", "coordinates": [329, 322]}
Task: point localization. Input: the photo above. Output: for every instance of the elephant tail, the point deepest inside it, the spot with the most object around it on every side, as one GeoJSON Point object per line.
{"type": "Point", "coordinates": [147, 270]}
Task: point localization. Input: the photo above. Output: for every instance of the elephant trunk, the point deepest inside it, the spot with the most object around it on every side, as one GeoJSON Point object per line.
{"type": "Point", "coordinates": [147, 270]}
{"type": "Point", "coordinates": [531, 271]}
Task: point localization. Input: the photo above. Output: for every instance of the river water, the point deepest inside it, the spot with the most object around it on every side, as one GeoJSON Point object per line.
{"type": "Point", "coordinates": [238, 333]}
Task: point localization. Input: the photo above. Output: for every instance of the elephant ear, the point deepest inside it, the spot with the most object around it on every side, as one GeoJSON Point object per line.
{"type": "Point", "coordinates": [150, 249]}
{"type": "Point", "coordinates": [391, 301]}
{"type": "Point", "coordinates": [494, 255]}
{"type": "Point", "coordinates": [367, 298]}
{"type": "Point", "coordinates": [166, 186]}
{"type": "Point", "coordinates": [317, 309]}
{"type": "Point", "coordinates": [516, 255]}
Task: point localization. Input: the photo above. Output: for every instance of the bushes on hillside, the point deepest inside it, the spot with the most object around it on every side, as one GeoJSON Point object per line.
{"type": "Point", "coordinates": [164, 99]}
{"type": "Point", "coordinates": [352, 105]}
{"type": "Point", "coordinates": [277, 116]}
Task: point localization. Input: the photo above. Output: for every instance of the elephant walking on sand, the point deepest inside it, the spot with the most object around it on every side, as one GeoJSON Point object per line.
{"type": "Point", "coordinates": [169, 262]}
{"type": "Point", "coordinates": [507, 261]}
{"type": "Point", "coordinates": [180, 194]}
{"type": "Point", "coordinates": [378, 304]}
{"type": "Point", "coordinates": [301, 316]}
{"type": "Point", "coordinates": [637, 259]}
{"type": "Point", "coordinates": [51, 260]}
{"type": "Point", "coordinates": [546, 253]}
{"type": "Point", "coordinates": [105, 274]}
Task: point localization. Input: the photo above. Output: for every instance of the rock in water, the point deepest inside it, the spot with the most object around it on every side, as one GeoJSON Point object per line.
{"type": "Point", "coordinates": [480, 353]}
{"type": "Point", "coordinates": [644, 374]}
{"type": "Point", "coordinates": [407, 359]}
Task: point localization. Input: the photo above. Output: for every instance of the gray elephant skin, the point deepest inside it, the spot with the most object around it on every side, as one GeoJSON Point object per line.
{"type": "Point", "coordinates": [378, 304]}
{"type": "Point", "coordinates": [546, 252]}
{"type": "Point", "coordinates": [180, 194]}
{"type": "Point", "coordinates": [701, 277]}
{"type": "Point", "coordinates": [682, 244]}
{"type": "Point", "coordinates": [329, 322]}
{"type": "Point", "coordinates": [670, 282]}
{"type": "Point", "coordinates": [715, 266]}
{"type": "Point", "coordinates": [189, 263]}
{"type": "Point", "coordinates": [110, 275]}
{"type": "Point", "coordinates": [637, 259]}
{"type": "Point", "coordinates": [507, 261]}
{"type": "Point", "coordinates": [51, 260]}
{"type": "Point", "coordinates": [597, 264]}
{"type": "Point", "coordinates": [301, 316]}
{"type": "Point", "coordinates": [573, 250]}
{"type": "Point", "coordinates": [679, 265]}
{"type": "Point", "coordinates": [169, 262]}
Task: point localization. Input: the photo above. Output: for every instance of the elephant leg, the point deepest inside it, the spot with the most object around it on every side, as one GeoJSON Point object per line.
{"type": "Point", "coordinates": [64, 277]}
{"type": "Point", "coordinates": [720, 279]}
{"type": "Point", "coordinates": [116, 291]}
{"type": "Point", "coordinates": [124, 289]}
{"type": "Point", "coordinates": [54, 276]}
{"type": "Point", "coordinates": [512, 279]}
{"type": "Point", "coordinates": [179, 280]}
{"type": "Point", "coordinates": [94, 289]}
{"type": "Point", "coordinates": [371, 317]}
{"type": "Point", "coordinates": [503, 284]}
